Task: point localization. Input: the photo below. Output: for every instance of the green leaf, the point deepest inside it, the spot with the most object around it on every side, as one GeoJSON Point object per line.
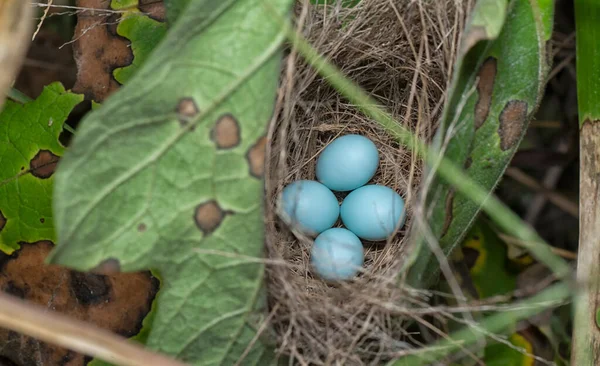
{"type": "Point", "coordinates": [499, 354]}
{"type": "Point", "coordinates": [496, 88]}
{"type": "Point", "coordinates": [174, 8]}
{"type": "Point", "coordinates": [143, 32]}
{"type": "Point", "coordinates": [487, 256]}
{"type": "Point", "coordinates": [29, 150]}
{"type": "Point", "coordinates": [167, 175]}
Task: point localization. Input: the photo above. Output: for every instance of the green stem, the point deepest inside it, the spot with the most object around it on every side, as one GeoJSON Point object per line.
{"type": "Point", "coordinates": [494, 324]}
{"type": "Point", "coordinates": [68, 128]}
{"type": "Point", "coordinates": [586, 331]}
{"type": "Point", "coordinates": [18, 96]}
{"type": "Point", "coordinates": [497, 211]}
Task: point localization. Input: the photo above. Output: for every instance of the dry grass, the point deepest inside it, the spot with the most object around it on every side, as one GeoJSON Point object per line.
{"type": "Point", "coordinates": [400, 51]}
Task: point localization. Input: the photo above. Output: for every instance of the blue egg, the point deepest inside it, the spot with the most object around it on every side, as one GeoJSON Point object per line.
{"type": "Point", "coordinates": [337, 255]}
{"type": "Point", "coordinates": [347, 163]}
{"type": "Point", "coordinates": [373, 212]}
{"type": "Point", "coordinates": [309, 206]}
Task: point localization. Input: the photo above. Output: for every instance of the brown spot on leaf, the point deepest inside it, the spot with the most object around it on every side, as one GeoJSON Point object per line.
{"type": "Point", "coordinates": [43, 164]}
{"type": "Point", "coordinates": [95, 34]}
{"type": "Point", "coordinates": [187, 109]}
{"type": "Point", "coordinates": [109, 266]}
{"type": "Point", "coordinates": [256, 157]}
{"type": "Point", "coordinates": [485, 87]}
{"type": "Point", "coordinates": [512, 123]}
{"type": "Point", "coordinates": [116, 303]}
{"type": "Point", "coordinates": [208, 216]}
{"type": "Point", "coordinates": [2, 221]}
{"type": "Point", "coordinates": [141, 227]}
{"type": "Point", "coordinates": [42, 220]}
{"type": "Point", "coordinates": [449, 215]}
{"type": "Point", "coordinates": [90, 288]}
{"type": "Point", "coordinates": [226, 133]}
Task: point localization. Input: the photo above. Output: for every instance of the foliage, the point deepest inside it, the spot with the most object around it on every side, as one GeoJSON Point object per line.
{"type": "Point", "coordinates": [498, 82]}
{"type": "Point", "coordinates": [29, 151]}
{"type": "Point", "coordinates": [140, 185]}
{"type": "Point", "coordinates": [143, 32]}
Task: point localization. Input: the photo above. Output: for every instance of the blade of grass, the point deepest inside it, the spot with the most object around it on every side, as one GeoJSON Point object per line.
{"type": "Point", "coordinates": [498, 323]}
{"type": "Point", "coordinates": [454, 175]}
{"type": "Point", "coordinates": [18, 96]}
{"type": "Point", "coordinates": [586, 331]}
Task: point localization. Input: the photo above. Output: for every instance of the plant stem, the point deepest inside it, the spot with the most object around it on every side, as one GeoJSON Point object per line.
{"type": "Point", "coordinates": [51, 327]}
{"type": "Point", "coordinates": [498, 323]}
{"type": "Point", "coordinates": [586, 331]}
{"type": "Point", "coordinates": [18, 96]}
{"type": "Point", "coordinates": [497, 211]}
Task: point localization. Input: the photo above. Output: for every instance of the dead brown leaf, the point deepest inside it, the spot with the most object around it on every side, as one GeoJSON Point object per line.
{"type": "Point", "coordinates": [118, 302]}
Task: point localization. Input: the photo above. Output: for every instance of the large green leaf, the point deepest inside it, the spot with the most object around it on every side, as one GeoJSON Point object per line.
{"type": "Point", "coordinates": [498, 82]}
{"type": "Point", "coordinates": [29, 150]}
{"type": "Point", "coordinates": [167, 175]}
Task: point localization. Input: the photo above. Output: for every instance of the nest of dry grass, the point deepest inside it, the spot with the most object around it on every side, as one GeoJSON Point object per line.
{"type": "Point", "coordinates": [401, 52]}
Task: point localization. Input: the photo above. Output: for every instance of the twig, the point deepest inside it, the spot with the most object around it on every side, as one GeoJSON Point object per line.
{"type": "Point", "coordinates": [558, 251]}
{"type": "Point", "coordinates": [51, 327]}
{"type": "Point", "coordinates": [39, 26]}
{"type": "Point", "coordinates": [556, 198]}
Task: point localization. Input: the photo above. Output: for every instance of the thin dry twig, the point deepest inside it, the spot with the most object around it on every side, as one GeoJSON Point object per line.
{"type": "Point", "coordinates": [562, 202]}
{"type": "Point", "coordinates": [54, 328]}
{"type": "Point", "coordinates": [39, 26]}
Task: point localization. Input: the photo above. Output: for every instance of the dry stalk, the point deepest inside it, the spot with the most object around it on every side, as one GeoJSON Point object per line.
{"type": "Point", "coordinates": [54, 328]}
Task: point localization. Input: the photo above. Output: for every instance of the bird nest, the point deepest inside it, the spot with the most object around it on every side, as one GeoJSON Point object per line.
{"type": "Point", "coordinates": [401, 52]}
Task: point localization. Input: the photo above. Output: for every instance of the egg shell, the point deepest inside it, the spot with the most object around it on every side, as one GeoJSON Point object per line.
{"type": "Point", "coordinates": [347, 163]}
{"type": "Point", "coordinates": [309, 206]}
{"type": "Point", "coordinates": [373, 212]}
{"type": "Point", "coordinates": [337, 255]}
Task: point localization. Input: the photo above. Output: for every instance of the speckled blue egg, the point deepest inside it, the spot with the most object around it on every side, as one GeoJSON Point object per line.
{"type": "Point", "coordinates": [309, 206]}
{"type": "Point", "coordinates": [337, 255]}
{"type": "Point", "coordinates": [347, 163]}
{"type": "Point", "coordinates": [373, 212]}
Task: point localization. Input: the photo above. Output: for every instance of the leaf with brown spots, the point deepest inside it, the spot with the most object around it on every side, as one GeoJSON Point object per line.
{"type": "Point", "coordinates": [29, 152]}
{"type": "Point", "coordinates": [498, 81]}
{"type": "Point", "coordinates": [105, 58]}
{"type": "Point", "coordinates": [117, 302]}
{"type": "Point", "coordinates": [166, 174]}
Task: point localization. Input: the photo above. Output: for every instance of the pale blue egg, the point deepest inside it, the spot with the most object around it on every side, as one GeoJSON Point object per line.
{"type": "Point", "coordinates": [373, 212]}
{"type": "Point", "coordinates": [347, 163]}
{"type": "Point", "coordinates": [309, 206]}
{"type": "Point", "coordinates": [337, 255]}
